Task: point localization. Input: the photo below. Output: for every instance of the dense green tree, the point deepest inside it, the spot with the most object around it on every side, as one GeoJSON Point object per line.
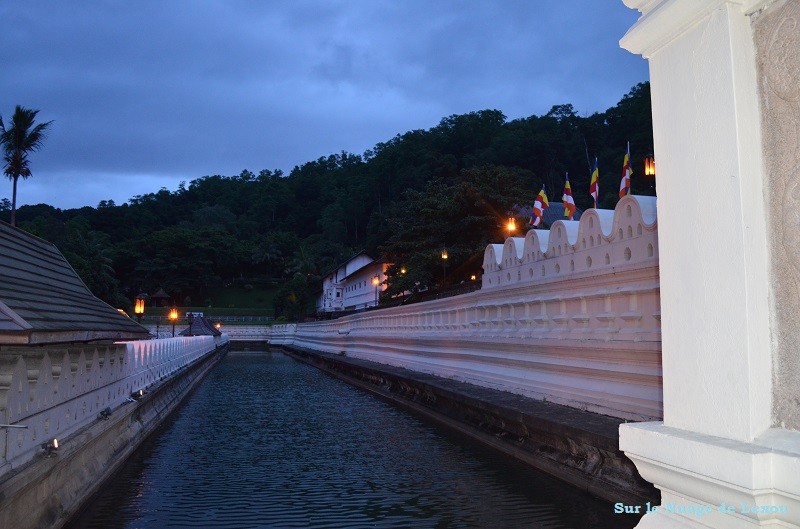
{"type": "Point", "coordinates": [22, 137]}
{"type": "Point", "coordinates": [462, 214]}
{"type": "Point", "coordinates": [404, 199]}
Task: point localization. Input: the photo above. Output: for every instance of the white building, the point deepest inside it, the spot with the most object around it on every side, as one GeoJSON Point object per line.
{"type": "Point", "coordinates": [351, 286]}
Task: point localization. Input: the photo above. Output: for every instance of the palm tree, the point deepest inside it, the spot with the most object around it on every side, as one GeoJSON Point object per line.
{"type": "Point", "coordinates": [21, 138]}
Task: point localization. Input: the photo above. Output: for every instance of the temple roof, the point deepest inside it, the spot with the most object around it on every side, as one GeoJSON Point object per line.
{"type": "Point", "coordinates": [201, 326]}
{"type": "Point", "coordinates": [42, 299]}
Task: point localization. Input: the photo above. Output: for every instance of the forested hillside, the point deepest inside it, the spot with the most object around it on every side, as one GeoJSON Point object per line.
{"type": "Point", "coordinates": [404, 199]}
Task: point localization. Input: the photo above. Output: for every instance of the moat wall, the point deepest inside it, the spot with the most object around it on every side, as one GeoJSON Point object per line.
{"type": "Point", "coordinates": [571, 315]}
{"type": "Point", "coordinates": [44, 491]}
{"type": "Point", "coordinates": [575, 446]}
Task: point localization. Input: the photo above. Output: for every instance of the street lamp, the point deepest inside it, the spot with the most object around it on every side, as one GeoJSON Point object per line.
{"type": "Point", "coordinates": [173, 317]}
{"type": "Point", "coordinates": [444, 265]}
{"type": "Point", "coordinates": [138, 307]}
{"type": "Point", "coordinates": [376, 280]}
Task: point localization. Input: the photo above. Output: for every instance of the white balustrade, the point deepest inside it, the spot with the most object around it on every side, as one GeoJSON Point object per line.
{"type": "Point", "coordinates": [585, 333]}
{"type": "Point", "coordinates": [56, 391]}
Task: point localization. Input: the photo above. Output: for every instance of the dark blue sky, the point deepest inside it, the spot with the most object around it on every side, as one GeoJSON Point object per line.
{"type": "Point", "coordinates": [146, 94]}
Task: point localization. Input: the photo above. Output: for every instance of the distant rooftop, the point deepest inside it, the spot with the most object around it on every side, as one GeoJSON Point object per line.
{"type": "Point", "coordinates": [201, 326]}
{"type": "Point", "coordinates": [42, 299]}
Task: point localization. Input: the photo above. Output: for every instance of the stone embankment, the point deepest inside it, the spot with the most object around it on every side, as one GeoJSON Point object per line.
{"type": "Point", "coordinates": [578, 447]}
{"type": "Point", "coordinates": [99, 402]}
{"type": "Point", "coordinates": [560, 346]}
{"type": "Point", "coordinates": [569, 314]}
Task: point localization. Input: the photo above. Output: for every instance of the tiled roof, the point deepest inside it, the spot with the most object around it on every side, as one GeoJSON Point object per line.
{"type": "Point", "coordinates": [42, 299]}
{"type": "Point", "coordinates": [201, 326]}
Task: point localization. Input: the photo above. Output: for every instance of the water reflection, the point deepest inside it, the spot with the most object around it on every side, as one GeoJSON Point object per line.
{"type": "Point", "coordinates": [268, 442]}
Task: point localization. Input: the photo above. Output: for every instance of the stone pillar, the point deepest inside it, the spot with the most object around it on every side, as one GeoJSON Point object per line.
{"type": "Point", "coordinates": [727, 279]}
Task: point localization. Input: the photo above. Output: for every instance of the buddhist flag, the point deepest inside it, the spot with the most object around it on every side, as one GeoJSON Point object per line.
{"type": "Point", "coordinates": [625, 183]}
{"type": "Point", "coordinates": [594, 183]}
{"type": "Point", "coordinates": [569, 202]}
{"type": "Point", "coordinates": [539, 206]}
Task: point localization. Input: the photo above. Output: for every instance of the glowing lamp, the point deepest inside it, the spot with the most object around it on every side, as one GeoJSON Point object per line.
{"type": "Point", "coordinates": [512, 225]}
{"type": "Point", "coordinates": [173, 317]}
{"type": "Point", "coordinates": [473, 277]}
{"type": "Point", "coordinates": [444, 253]}
{"type": "Point", "coordinates": [403, 270]}
{"type": "Point", "coordinates": [376, 280]}
{"type": "Point", "coordinates": [649, 166]}
{"type": "Point", "coordinates": [138, 307]}
{"type": "Point", "coordinates": [50, 447]}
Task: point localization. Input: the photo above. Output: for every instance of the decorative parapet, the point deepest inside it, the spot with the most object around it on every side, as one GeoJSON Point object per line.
{"type": "Point", "coordinates": [570, 315]}
{"type": "Point", "coordinates": [56, 391]}
{"type": "Point", "coordinates": [603, 241]}
{"type": "Point", "coordinates": [254, 333]}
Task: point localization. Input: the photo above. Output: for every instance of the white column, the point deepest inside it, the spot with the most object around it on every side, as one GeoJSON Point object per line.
{"type": "Point", "coordinates": [716, 445]}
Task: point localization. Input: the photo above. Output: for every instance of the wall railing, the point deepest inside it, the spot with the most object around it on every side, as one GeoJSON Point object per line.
{"type": "Point", "coordinates": [52, 392]}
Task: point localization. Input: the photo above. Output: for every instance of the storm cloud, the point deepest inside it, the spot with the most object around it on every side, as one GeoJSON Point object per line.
{"type": "Point", "coordinates": [147, 94]}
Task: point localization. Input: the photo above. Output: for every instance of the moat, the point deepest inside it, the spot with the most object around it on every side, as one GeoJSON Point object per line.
{"type": "Point", "coordinates": [266, 441]}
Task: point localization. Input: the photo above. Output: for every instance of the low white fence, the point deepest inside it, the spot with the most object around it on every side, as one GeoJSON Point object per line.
{"type": "Point", "coordinates": [55, 391]}
{"type": "Point", "coordinates": [254, 333]}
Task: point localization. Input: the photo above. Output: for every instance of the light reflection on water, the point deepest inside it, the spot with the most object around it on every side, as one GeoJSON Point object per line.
{"type": "Point", "coordinates": [265, 441]}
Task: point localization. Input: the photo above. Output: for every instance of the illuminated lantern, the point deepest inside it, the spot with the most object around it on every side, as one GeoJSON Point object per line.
{"type": "Point", "coordinates": [173, 317]}
{"type": "Point", "coordinates": [376, 280]}
{"type": "Point", "coordinates": [138, 307]}
{"type": "Point", "coordinates": [649, 166]}
{"type": "Point", "coordinates": [512, 225]}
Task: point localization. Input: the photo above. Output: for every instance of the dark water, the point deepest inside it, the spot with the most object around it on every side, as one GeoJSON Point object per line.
{"type": "Point", "coordinates": [265, 441]}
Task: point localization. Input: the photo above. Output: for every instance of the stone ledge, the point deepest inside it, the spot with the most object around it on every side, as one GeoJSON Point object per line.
{"type": "Point", "coordinates": [576, 446]}
{"type": "Point", "coordinates": [711, 471]}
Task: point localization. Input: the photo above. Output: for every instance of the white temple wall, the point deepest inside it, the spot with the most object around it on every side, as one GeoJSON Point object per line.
{"type": "Point", "coordinates": [777, 41]}
{"type": "Point", "coordinates": [723, 447]}
{"type": "Point", "coordinates": [585, 334]}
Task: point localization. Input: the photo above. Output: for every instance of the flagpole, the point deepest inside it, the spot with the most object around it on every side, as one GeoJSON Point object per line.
{"type": "Point", "coordinates": [588, 161]}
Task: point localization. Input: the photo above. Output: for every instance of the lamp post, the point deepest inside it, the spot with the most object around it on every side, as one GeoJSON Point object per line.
{"type": "Point", "coordinates": [444, 265]}
{"type": "Point", "coordinates": [173, 317]}
{"type": "Point", "coordinates": [376, 280]}
{"type": "Point", "coordinates": [138, 307]}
